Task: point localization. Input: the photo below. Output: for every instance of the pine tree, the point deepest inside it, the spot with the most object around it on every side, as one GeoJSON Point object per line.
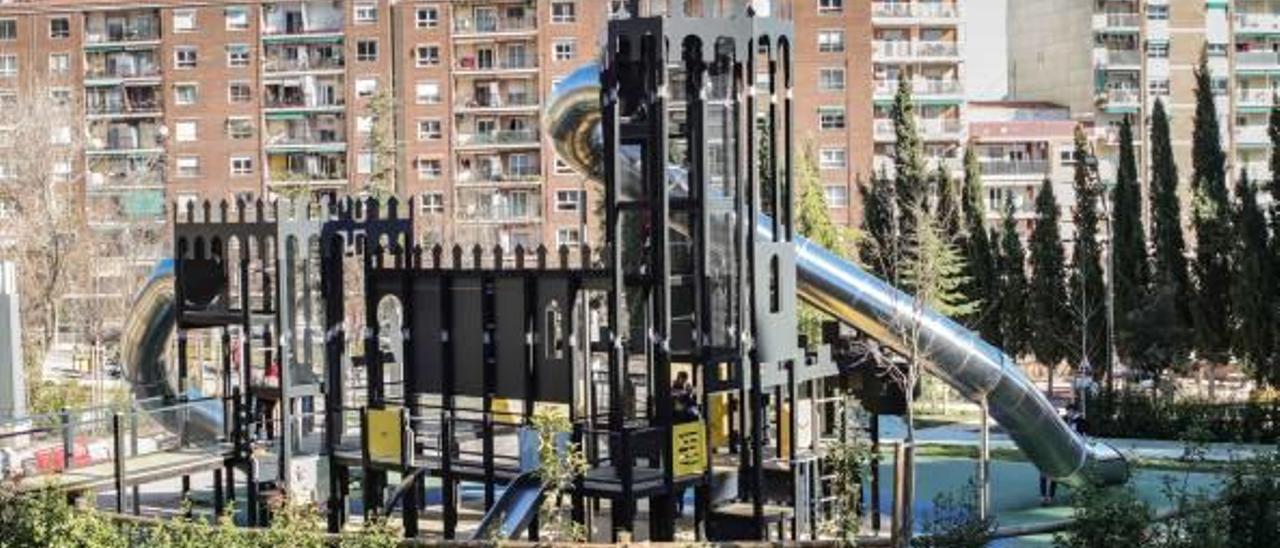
{"type": "Point", "coordinates": [1211, 220]}
{"type": "Point", "coordinates": [1050, 314]}
{"type": "Point", "coordinates": [813, 221]}
{"type": "Point", "coordinates": [878, 246]}
{"type": "Point", "coordinates": [1129, 243]}
{"type": "Point", "coordinates": [979, 253]}
{"type": "Point", "coordinates": [947, 210]}
{"type": "Point", "coordinates": [1252, 286]}
{"type": "Point", "coordinates": [910, 183]}
{"type": "Point", "coordinates": [1273, 131]}
{"type": "Point", "coordinates": [1014, 324]}
{"type": "Point", "coordinates": [1169, 262]}
{"type": "Point", "coordinates": [1088, 292]}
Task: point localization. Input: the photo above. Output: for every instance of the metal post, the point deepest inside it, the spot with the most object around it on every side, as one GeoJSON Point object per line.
{"type": "Point", "coordinates": [875, 469]}
{"type": "Point", "coordinates": [133, 447]}
{"type": "Point", "coordinates": [68, 437]}
{"type": "Point", "coordinates": [984, 462]}
{"type": "Point", "coordinates": [898, 516]}
{"type": "Point", "coordinates": [117, 435]}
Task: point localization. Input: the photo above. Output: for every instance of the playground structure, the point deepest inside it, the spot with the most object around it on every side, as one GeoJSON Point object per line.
{"type": "Point", "coordinates": [700, 273]}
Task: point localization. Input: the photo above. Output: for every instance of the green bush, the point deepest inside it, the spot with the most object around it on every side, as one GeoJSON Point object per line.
{"type": "Point", "coordinates": [954, 522]}
{"type": "Point", "coordinates": [1107, 517]}
{"type": "Point", "coordinates": [1128, 414]}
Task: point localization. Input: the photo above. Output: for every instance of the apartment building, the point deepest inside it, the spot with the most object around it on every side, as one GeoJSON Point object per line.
{"type": "Point", "coordinates": [921, 41]}
{"type": "Point", "coordinates": [1107, 59]}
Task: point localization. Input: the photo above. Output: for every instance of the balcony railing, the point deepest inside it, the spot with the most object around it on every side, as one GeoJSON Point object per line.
{"type": "Point", "coordinates": [901, 10]}
{"type": "Point", "coordinates": [302, 138]}
{"type": "Point", "coordinates": [299, 65]}
{"type": "Point", "coordinates": [130, 107]}
{"type": "Point", "coordinates": [485, 25]}
{"type": "Point", "coordinates": [1253, 134]}
{"type": "Point", "coordinates": [1117, 21]}
{"type": "Point", "coordinates": [510, 63]}
{"type": "Point", "coordinates": [1257, 97]}
{"type": "Point", "coordinates": [1257, 170]}
{"type": "Point", "coordinates": [1257, 22]}
{"type": "Point", "coordinates": [1117, 97]}
{"type": "Point", "coordinates": [302, 29]}
{"type": "Point", "coordinates": [1120, 57]}
{"type": "Point", "coordinates": [1257, 59]}
{"type": "Point", "coordinates": [306, 176]}
{"type": "Point", "coordinates": [510, 137]}
{"type": "Point", "coordinates": [510, 101]}
{"type": "Point", "coordinates": [1020, 167]}
{"type": "Point", "coordinates": [509, 176]}
{"type": "Point", "coordinates": [921, 87]}
{"type": "Point", "coordinates": [485, 212]}
{"type": "Point", "coordinates": [299, 102]}
{"type": "Point", "coordinates": [119, 71]}
{"type": "Point", "coordinates": [928, 127]}
{"type": "Point", "coordinates": [903, 48]}
{"type": "Point", "coordinates": [116, 35]}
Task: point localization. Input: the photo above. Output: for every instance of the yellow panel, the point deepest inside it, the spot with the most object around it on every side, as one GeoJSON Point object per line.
{"type": "Point", "coordinates": [689, 444]}
{"type": "Point", "coordinates": [719, 409]}
{"type": "Point", "coordinates": [384, 434]}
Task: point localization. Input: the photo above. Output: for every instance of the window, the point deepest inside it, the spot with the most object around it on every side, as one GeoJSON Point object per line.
{"type": "Point", "coordinates": [184, 94]}
{"type": "Point", "coordinates": [240, 128]}
{"type": "Point", "coordinates": [366, 13]}
{"type": "Point", "coordinates": [367, 50]}
{"type": "Point", "coordinates": [427, 56]}
{"type": "Point", "coordinates": [59, 63]}
{"type": "Point", "coordinates": [568, 237]}
{"type": "Point", "coordinates": [238, 55]}
{"type": "Point", "coordinates": [1159, 87]}
{"type": "Point", "coordinates": [364, 125]}
{"type": "Point", "coordinates": [564, 12]}
{"type": "Point", "coordinates": [564, 49]}
{"type": "Point", "coordinates": [184, 20]}
{"type": "Point", "coordinates": [184, 131]}
{"type": "Point", "coordinates": [562, 167]}
{"type": "Point", "coordinates": [239, 92]}
{"type": "Point", "coordinates": [366, 87]}
{"type": "Point", "coordinates": [188, 166]}
{"type": "Point", "coordinates": [364, 163]}
{"type": "Point", "coordinates": [429, 168]}
{"type": "Point", "coordinates": [59, 27]}
{"type": "Point", "coordinates": [1217, 49]}
{"type": "Point", "coordinates": [1158, 50]}
{"type": "Point", "coordinates": [830, 118]}
{"type": "Point", "coordinates": [834, 158]}
{"type": "Point", "coordinates": [836, 195]}
{"type": "Point", "coordinates": [831, 79]}
{"type": "Point", "coordinates": [429, 130]}
{"type": "Point", "coordinates": [432, 202]}
{"type": "Point", "coordinates": [8, 29]}
{"type": "Point", "coordinates": [8, 65]}
{"type": "Point", "coordinates": [1067, 155]}
{"type": "Point", "coordinates": [428, 17]}
{"type": "Point", "coordinates": [830, 41]}
{"type": "Point", "coordinates": [61, 170]}
{"type": "Point", "coordinates": [569, 200]}
{"type": "Point", "coordinates": [60, 135]}
{"type": "Point", "coordinates": [237, 18]}
{"type": "Point", "coordinates": [428, 93]}
{"type": "Point", "coordinates": [830, 6]}
{"type": "Point", "coordinates": [184, 57]}
{"type": "Point", "coordinates": [1158, 12]}
{"type": "Point", "coordinates": [61, 96]}
{"type": "Point", "coordinates": [241, 165]}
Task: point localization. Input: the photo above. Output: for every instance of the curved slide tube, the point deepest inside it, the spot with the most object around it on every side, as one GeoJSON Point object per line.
{"type": "Point", "coordinates": [953, 353]}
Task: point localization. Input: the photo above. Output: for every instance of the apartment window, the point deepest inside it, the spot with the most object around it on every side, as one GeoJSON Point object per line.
{"type": "Point", "coordinates": [366, 13]}
{"type": "Point", "coordinates": [428, 17]}
{"type": "Point", "coordinates": [60, 135]}
{"type": "Point", "coordinates": [61, 170]}
{"type": "Point", "coordinates": [568, 200]}
{"type": "Point", "coordinates": [240, 128]}
{"type": "Point", "coordinates": [429, 130]}
{"type": "Point", "coordinates": [836, 195]}
{"type": "Point", "coordinates": [8, 64]}
{"type": "Point", "coordinates": [564, 50]}
{"type": "Point", "coordinates": [364, 125]}
{"type": "Point", "coordinates": [184, 20]}
{"type": "Point", "coordinates": [834, 158]}
{"type": "Point", "coordinates": [61, 96]}
{"type": "Point", "coordinates": [239, 92]}
{"type": "Point", "coordinates": [367, 50]}
{"type": "Point", "coordinates": [430, 168]}
{"type": "Point", "coordinates": [830, 118]}
{"type": "Point", "coordinates": [432, 202]}
{"type": "Point", "coordinates": [427, 56]}
{"type": "Point", "coordinates": [830, 41]}
{"type": "Point", "coordinates": [237, 18]}
{"type": "Point", "coordinates": [188, 166]}
{"type": "Point", "coordinates": [427, 93]}
{"type": "Point", "coordinates": [184, 131]}
{"type": "Point", "coordinates": [184, 57]}
{"type": "Point", "coordinates": [8, 29]}
{"type": "Point", "coordinates": [184, 94]}
{"type": "Point", "coordinates": [1159, 87]}
{"type": "Point", "coordinates": [568, 237]}
{"type": "Point", "coordinates": [1216, 49]}
{"type": "Point", "coordinates": [564, 12]}
{"type": "Point", "coordinates": [1067, 155]}
{"type": "Point", "coordinates": [364, 163]}
{"type": "Point", "coordinates": [241, 165]}
{"type": "Point", "coordinates": [8, 98]}
{"type": "Point", "coordinates": [1158, 50]}
{"type": "Point", "coordinates": [366, 87]}
{"type": "Point", "coordinates": [830, 6]}
{"type": "Point", "coordinates": [59, 63]}
{"type": "Point", "coordinates": [59, 27]}
{"type": "Point", "coordinates": [1158, 12]}
{"type": "Point", "coordinates": [238, 55]}
{"type": "Point", "coordinates": [831, 79]}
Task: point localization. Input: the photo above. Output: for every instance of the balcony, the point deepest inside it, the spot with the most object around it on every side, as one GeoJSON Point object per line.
{"type": "Point", "coordinates": [519, 102]}
{"type": "Point", "coordinates": [111, 30]}
{"type": "Point", "coordinates": [476, 66]}
{"type": "Point", "coordinates": [113, 74]}
{"type": "Point", "coordinates": [1121, 99]}
{"type": "Point", "coordinates": [486, 27]}
{"type": "Point", "coordinates": [921, 88]}
{"type": "Point", "coordinates": [489, 207]}
{"type": "Point", "coordinates": [326, 141]}
{"type": "Point", "coordinates": [1257, 169]}
{"type": "Point", "coordinates": [997, 168]}
{"type": "Point", "coordinates": [887, 50]}
{"type": "Point", "coordinates": [499, 139]}
{"type": "Point", "coordinates": [125, 109]}
{"type": "Point", "coordinates": [1257, 60]}
{"type": "Point", "coordinates": [1256, 97]}
{"type": "Point", "coordinates": [1118, 22]}
{"type": "Point", "coordinates": [922, 10]}
{"type": "Point", "coordinates": [1257, 23]}
{"type": "Point", "coordinates": [304, 64]}
{"type": "Point", "coordinates": [1118, 59]}
{"type": "Point", "coordinates": [1253, 135]}
{"type": "Point", "coordinates": [936, 129]}
{"type": "Point", "coordinates": [481, 177]}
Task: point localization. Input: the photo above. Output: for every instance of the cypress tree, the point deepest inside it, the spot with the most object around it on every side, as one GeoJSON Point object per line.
{"type": "Point", "coordinates": [877, 249]}
{"type": "Point", "coordinates": [948, 209]}
{"type": "Point", "coordinates": [1129, 242]}
{"type": "Point", "coordinates": [979, 255]}
{"type": "Point", "coordinates": [1252, 284]}
{"type": "Point", "coordinates": [910, 185]}
{"type": "Point", "coordinates": [1088, 293]}
{"type": "Point", "coordinates": [1273, 131]}
{"type": "Point", "coordinates": [1211, 220]}
{"type": "Point", "coordinates": [1169, 263]}
{"type": "Point", "coordinates": [1014, 324]}
{"type": "Point", "coordinates": [1050, 314]}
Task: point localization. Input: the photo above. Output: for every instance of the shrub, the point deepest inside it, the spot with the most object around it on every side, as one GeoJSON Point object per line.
{"type": "Point", "coordinates": [1107, 517]}
{"type": "Point", "coordinates": [954, 522]}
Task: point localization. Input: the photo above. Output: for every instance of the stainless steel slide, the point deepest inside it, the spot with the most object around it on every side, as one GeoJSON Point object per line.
{"type": "Point", "coordinates": [955, 354]}
{"type": "Point", "coordinates": [513, 511]}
